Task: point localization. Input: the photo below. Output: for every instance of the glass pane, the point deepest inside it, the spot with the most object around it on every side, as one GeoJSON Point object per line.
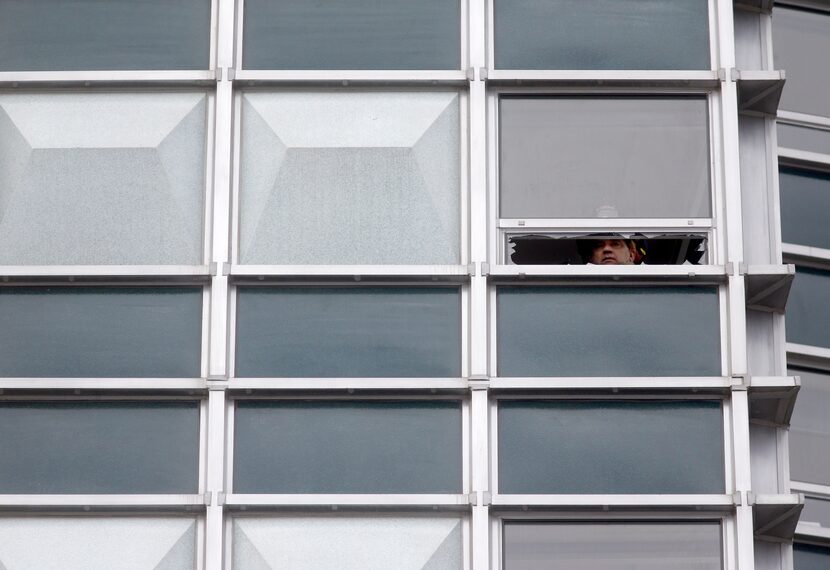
{"type": "Point", "coordinates": [608, 331]}
{"type": "Point", "coordinates": [804, 138]}
{"type": "Point", "coordinates": [44, 35]}
{"type": "Point", "coordinates": [347, 447]}
{"type": "Point", "coordinates": [601, 34]}
{"type": "Point", "coordinates": [342, 331]}
{"type": "Point", "coordinates": [147, 332]}
{"type": "Point", "coordinates": [805, 201]}
{"type": "Point", "coordinates": [604, 157]}
{"type": "Point", "coordinates": [352, 34]}
{"type": "Point", "coordinates": [816, 511]}
{"type": "Point", "coordinates": [542, 545]}
{"type": "Point", "coordinates": [810, 557]}
{"type": "Point", "coordinates": [599, 447]}
{"type": "Point", "coordinates": [347, 543]}
{"type": "Point", "coordinates": [98, 543]}
{"type": "Point", "coordinates": [810, 429]}
{"type": "Point", "coordinates": [799, 37]}
{"type": "Point", "coordinates": [102, 178]}
{"type": "Point", "coordinates": [350, 178]}
{"type": "Point", "coordinates": [99, 447]}
{"type": "Point", "coordinates": [808, 308]}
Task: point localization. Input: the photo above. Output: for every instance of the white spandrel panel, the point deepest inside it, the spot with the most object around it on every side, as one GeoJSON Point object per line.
{"type": "Point", "coordinates": [350, 178]}
{"type": "Point", "coordinates": [97, 543]}
{"type": "Point", "coordinates": [346, 543]}
{"type": "Point", "coordinates": [102, 178]}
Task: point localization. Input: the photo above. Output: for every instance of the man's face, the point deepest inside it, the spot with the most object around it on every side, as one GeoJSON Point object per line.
{"type": "Point", "coordinates": [613, 252]}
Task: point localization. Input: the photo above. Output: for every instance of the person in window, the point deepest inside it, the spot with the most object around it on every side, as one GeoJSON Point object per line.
{"type": "Point", "coordinates": [609, 250]}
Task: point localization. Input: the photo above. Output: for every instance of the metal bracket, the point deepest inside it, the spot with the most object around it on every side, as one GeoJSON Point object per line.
{"type": "Point", "coordinates": [485, 268]}
{"type": "Point", "coordinates": [471, 269]}
{"type": "Point", "coordinates": [479, 382]}
{"type": "Point", "coordinates": [482, 73]}
{"type": "Point", "coordinates": [471, 74]}
{"type": "Point", "coordinates": [721, 74]}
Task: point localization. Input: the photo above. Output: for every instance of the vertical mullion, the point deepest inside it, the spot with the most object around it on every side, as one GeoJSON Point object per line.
{"type": "Point", "coordinates": [214, 527]}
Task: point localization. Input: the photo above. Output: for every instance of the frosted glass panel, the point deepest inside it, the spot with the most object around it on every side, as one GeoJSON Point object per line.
{"type": "Point", "coordinates": [627, 157]}
{"type": "Point", "coordinates": [101, 332]}
{"type": "Point", "coordinates": [799, 37]}
{"type": "Point", "coordinates": [347, 447]}
{"type": "Point", "coordinates": [810, 557]}
{"type": "Point", "coordinates": [352, 34]}
{"type": "Point", "coordinates": [99, 447]}
{"type": "Point", "coordinates": [350, 178]}
{"type": "Point", "coordinates": [102, 178]}
{"type": "Point", "coordinates": [612, 546]}
{"type": "Point", "coordinates": [601, 34]}
{"type": "Point", "coordinates": [347, 543]}
{"type": "Point", "coordinates": [569, 447]}
{"type": "Point", "coordinates": [808, 308]}
{"type": "Point", "coordinates": [810, 429]}
{"type": "Point", "coordinates": [57, 35]}
{"type": "Point", "coordinates": [347, 331]}
{"type": "Point", "coordinates": [97, 543]}
{"type": "Point", "coordinates": [608, 331]}
{"type": "Point", "coordinates": [805, 201]}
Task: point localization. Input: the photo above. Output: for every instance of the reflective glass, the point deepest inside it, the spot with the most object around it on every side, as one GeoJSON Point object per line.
{"type": "Point", "coordinates": [102, 178]}
{"type": "Point", "coordinates": [345, 331]}
{"type": "Point", "coordinates": [98, 543]}
{"type": "Point", "coordinates": [810, 429]}
{"type": "Point", "coordinates": [352, 34]}
{"type": "Point", "coordinates": [805, 203]}
{"type": "Point", "coordinates": [58, 35]}
{"type": "Point", "coordinates": [804, 138]}
{"type": "Point", "coordinates": [148, 332]}
{"type": "Point", "coordinates": [350, 178]}
{"type": "Point", "coordinates": [99, 447]}
{"type": "Point", "coordinates": [810, 557]}
{"type": "Point", "coordinates": [347, 447]}
{"type": "Point", "coordinates": [543, 545]}
{"type": "Point", "coordinates": [601, 34]}
{"type": "Point", "coordinates": [349, 542]}
{"type": "Point", "coordinates": [808, 308]}
{"type": "Point", "coordinates": [627, 157]}
{"type": "Point", "coordinates": [816, 511]}
{"type": "Point", "coordinates": [799, 36]}
{"type": "Point", "coordinates": [608, 331]}
{"type": "Point", "coordinates": [610, 447]}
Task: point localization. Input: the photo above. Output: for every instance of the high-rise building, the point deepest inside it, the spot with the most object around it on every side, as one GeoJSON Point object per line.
{"type": "Point", "coordinates": [439, 285]}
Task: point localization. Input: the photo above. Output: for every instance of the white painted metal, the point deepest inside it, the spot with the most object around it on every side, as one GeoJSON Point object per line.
{"type": "Point", "coordinates": [320, 384]}
{"type": "Point", "coordinates": [165, 272]}
{"type": "Point", "coordinates": [347, 500]}
{"type": "Point", "coordinates": [87, 78]}
{"type": "Point", "coordinates": [86, 502]}
{"type": "Point", "coordinates": [603, 77]}
{"type": "Point", "coordinates": [682, 274]}
{"type": "Point", "coordinates": [693, 502]}
{"type": "Point", "coordinates": [347, 77]}
{"type": "Point", "coordinates": [190, 385]}
{"type": "Point", "coordinates": [350, 270]}
{"type": "Point", "coordinates": [623, 383]}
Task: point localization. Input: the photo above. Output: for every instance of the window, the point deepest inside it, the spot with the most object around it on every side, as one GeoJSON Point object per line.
{"type": "Point", "coordinates": [99, 447]}
{"type": "Point", "coordinates": [330, 447]}
{"type": "Point", "coordinates": [102, 178]}
{"type": "Point", "coordinates": [805, 200]}
{"type": "Point", "coordinates": [816, 511]}
{"type": "Point", "coordinates": [350, 178]}
{"type": "Point", "coordinates": [812, 139]}
{"type": "Point", "coordinates": [603, 157]}
{"type": "Point", "coordinates": [810, 429]}
{"type": "Point", "coordinates": [601, 34]}
{"type": "Point", "coordinates": [608, 331]}
{"type": "Point", "coordinates": [348, 332]}
{"type": "Point", "coordinates": [56, 35]}
{"type": "Point", "coordinates": [810, 557]}
{"type": "Point", "coordinates": [350, 542]}
{"type": "Point", "coordinates": [352, 34]}
{"type": "Point", "coordinates": [564, 545]}
{"type": "Point", "coordinates": [808, 308]}
{"type": "Point", "coordinates": [610, 446]}
{"type": "Point", "coordinates": [92, 331]}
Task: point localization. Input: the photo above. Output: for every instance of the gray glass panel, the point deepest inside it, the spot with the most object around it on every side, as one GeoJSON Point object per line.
{"type": "Point", "coordinates": [99, 447]}
{"type": "Point", "coordinates": [628, 157]}
{"type": "Point", "coordinates": [347, 447]}
{"type": "Point", "coordinates": [804, 138]}
{"type": "Point", "coordinates": [340, 331]}
{"type": "Point", "coordinates": [598, 447]}
{"type": "Point", "coordinates": [542, 545]}
{"type": "Point", "coordinates": [800, 38]}
{"type": "Point", "coordinates": [808, 308]}
{"type": "Point", "coordinates": [352, 34]}
{"type": "Point", "coordinates": [44, 35]}
{"type": "Point", "coordinates": [149, 332]}
{"type": "Point", "coordinates": [805, 202]}
{"type": "Point", "coordinates": [605, 331]}
{"type": "Point", "coordinates": [810, 557]}
{"type": "Point", "coordinates": [816, 511]}
{"type": "Point", "coordinates": [810, 429]}
{"type": "Point", "coordinates": [601, 34]}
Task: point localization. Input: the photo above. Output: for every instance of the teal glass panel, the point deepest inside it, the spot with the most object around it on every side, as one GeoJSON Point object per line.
{"type": "Point", "coordinates": [602, 447]}
{"type": "Point", "coordinates": [347, 447]}
{"type": "Point", "coordinates": [808, 308]}
{"type": "Point", "coordinates": [805, 202]}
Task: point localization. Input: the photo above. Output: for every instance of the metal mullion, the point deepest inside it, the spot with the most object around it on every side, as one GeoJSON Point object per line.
{"type": "Point", "coordinates": [84, 502]}
{"type": "Point", "coordinates": [808, 352]}
{"type": "Point", "coordinates": [603, 78]}
{"type": "Point", "coordinates": [315, 77]}
{"type": "Point", "coordinates": [320, 384]}
{"type": "Point", "coordinates": [214, 472]}
{"type": "Point", "coordinates": [108, 384]}
{"type": "Point", "coordinates": [385, 500]}
{"type": "Point", "coordinates": [804, 254]}
{"type": "Point", "coordinates": [681, 274]}
{"type": "Point", "coordinates": [803, 159]}
{"type": "Point", "coordinates": [644, 501]}
{"type": "Point", "coordinates": [811, 489]}
{"type": "Point", "coordinates": [606, 383]}
{"type": "Point", "coordinates": [615, 396]}
{"type": "Point", "coordinates": [137, 78]}
{"type": "Point", "coordinates": [619, 224]}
